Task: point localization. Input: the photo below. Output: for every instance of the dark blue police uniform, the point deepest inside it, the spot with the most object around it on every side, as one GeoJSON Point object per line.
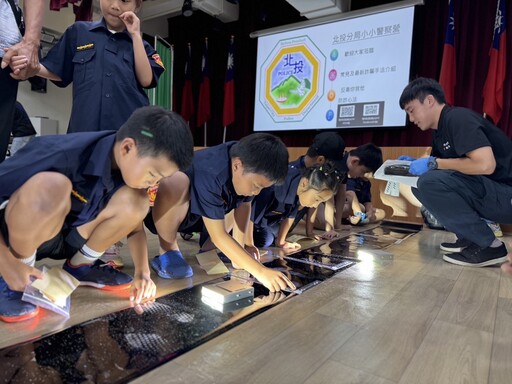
{"type": "Point", "coordinates": [457, 200]}
{"type": "Point", "coordinates": [362, 188]}
{"type": "Point", "coordinates": [272, 206]}
{"type": "Point", "coordinates": [212, 194]}
{"type": "Point", "coordinates": [101, 66]}
{"type": "Point", "coordinates": [85, 158]}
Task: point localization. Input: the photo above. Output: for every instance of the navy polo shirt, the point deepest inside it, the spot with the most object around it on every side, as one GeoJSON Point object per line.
{"type": "Point", "coordinates": [101, 66]}
{"type": "Point", "coordinates": [278, 202]}
{"type": "Point", "coordinates": [461, 130]}
{"type": "Point", "coordinates": [362, 188]}
{"type": "Point", "coordinates": [212, 194]}
{"type": "Point", "coordinates": [85, 158]}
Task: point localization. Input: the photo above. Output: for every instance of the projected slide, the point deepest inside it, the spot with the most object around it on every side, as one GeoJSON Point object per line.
{"type": "Point", "coordinates": [345, 74]}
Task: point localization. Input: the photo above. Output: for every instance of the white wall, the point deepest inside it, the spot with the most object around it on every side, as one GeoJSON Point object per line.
{"type": "Point", "coordinates": [56, 103]}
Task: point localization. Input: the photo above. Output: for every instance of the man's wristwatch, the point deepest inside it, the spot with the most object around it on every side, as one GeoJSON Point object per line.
{"type": "Point", "coordinates": [432, 163]}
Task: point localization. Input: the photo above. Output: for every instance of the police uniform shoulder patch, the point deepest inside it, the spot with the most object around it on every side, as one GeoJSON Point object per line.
{"type": "Point", "coordinates": [158, 60]}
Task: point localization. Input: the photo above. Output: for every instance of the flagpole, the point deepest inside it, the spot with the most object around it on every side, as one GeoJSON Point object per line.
{"type": "Point", "coordinates": [224, 135]}
{"type": "Point", "coordinates": [205, 134]}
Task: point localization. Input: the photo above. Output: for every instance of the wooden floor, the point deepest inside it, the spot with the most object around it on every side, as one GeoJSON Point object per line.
{"type": "Point", "coordinates": [415, 319]}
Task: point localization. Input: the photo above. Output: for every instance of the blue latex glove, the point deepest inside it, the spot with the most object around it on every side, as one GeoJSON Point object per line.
{"type": "Point", "coordinates": [420, 166]}
{"type": "Point", "coordinates": [408, 158]}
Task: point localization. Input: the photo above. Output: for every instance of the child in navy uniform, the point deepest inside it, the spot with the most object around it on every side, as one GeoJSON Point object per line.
{"type": "Point", "coordinates": [326, 146]}
{"type": "Point", "coordinates": [109, 65]}
{"type": "Point", "coordinates": [222, 179]}
{"type": "Point", "coordinates": [274, 209]}
{"type": "Point", "coordinates": [71, 197]}
{"type": "Point", "coordinates": [357, 162]}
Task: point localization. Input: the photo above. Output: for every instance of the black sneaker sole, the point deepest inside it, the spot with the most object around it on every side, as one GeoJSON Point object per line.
{"type": "Point", "coordinates": [486, 263]}
{"type": "Point", "coordinates": [451, 249]}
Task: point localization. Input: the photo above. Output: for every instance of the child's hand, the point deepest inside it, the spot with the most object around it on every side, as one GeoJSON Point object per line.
{"type": "Point", "coordinates": [275, 281]}
{"type": "Point", "coordinates": [272, 298]}
{"type": "Point", "coordinates": [18, 62]}
{"type": "Point", "coordinates": [131, 21]}
{"type": "Point", "coordinates": [329, 235]}
{"type": "Point", "coordinates": [18, 275]}
{"type": "Point", "coordinates": [289, 245]}
{"type": "Point", "coordinates": [143, 288]}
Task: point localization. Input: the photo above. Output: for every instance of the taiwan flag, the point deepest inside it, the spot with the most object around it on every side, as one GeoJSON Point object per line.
{"type": "Point", "coordinates": [203, 109]}
{"type": "Point", "coordinates": [187, 99]}
{"type": "Point", "coordinates": [493, 87]}
{"type": "Point", "coordinates": [448, 67]}
{"type": "Point", "coordinates": [228, 112]}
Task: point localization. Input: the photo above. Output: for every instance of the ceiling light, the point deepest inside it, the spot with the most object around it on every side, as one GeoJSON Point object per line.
{"type": "Point", "coordinates": [187, 10]}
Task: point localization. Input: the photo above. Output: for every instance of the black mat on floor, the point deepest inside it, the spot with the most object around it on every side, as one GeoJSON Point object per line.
{"type": "Point", "coordinates": [124, 345]}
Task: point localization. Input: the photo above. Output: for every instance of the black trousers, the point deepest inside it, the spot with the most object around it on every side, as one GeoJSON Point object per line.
{"type": "Point", "coordinates": [461, 201]}
{"type": "Point", "coordinates": [8, 94]}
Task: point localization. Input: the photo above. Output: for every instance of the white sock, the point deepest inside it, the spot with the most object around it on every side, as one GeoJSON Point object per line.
{"type": "Point", "coordinates": [496, 243]}
{"type": "Point", "coordinates": [30, 261]}
{"type": "Point", "coordinates": [85, 255]}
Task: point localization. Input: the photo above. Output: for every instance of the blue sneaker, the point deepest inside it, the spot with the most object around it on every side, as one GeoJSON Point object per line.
{"type": "Point", "coordinates": [171, 265]}
{"type": "Point", "coordinates": [12, 308]}
{"type": "Point", "coordinates": [99, 275]}
{"type": "Point", "coordinates": [359, 218]}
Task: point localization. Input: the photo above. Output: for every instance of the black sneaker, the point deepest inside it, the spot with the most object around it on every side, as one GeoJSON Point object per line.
{"type": "Point", "coordinates": [474, 256]}
{"type": "Point", "coordinates": [456, 246]}
{"type": "Point", "coordinates": [12, 308]}
{"type": "Point", "coordinates": [99, 275]}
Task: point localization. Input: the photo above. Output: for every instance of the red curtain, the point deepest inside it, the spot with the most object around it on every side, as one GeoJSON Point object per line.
{"type": "Point", "coordinates": [474, 32]}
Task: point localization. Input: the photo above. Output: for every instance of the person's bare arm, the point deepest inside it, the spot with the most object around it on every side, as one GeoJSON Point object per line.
{"type": "Point", "coordinates": [143, 288]}
{"type": "Point", "coordinates": [33, 13]}
{"type": "Point", "coordinates": [44, 72]}
{"type": "Point", "coordinates": [339, 205]}
{"type": "Point", "coordinates": [481, 161]}
{"type": "Point", "coordinates": [273, 280]}
{"type": "Point", "coordinates": [242, 225]}
{"type": "Point", "coordinates": [280, 241]}
{"type": "Point", "coordinates": [142, 66]}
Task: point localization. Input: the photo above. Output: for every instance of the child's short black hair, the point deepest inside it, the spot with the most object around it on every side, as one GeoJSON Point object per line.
{"type": "Point", "coordinates": [157, 132]}
{"type": "Point", "coordinates": [327, 144]}
{"type": "Point", "coordinates": [321, 177]}
{"type": "Point", "coordinates": [264, 154]}
{"type": "Point", "coordinates": [419, 89]}
{"type": "Point", "coordinates": [370, 156]}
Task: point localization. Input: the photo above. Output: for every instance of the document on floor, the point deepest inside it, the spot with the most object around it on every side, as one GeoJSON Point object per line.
{"type": "Point", "coordinates": [303, 240]}
{"type": "Point", "coordinates": [52, 291]}
{"type": "Point", "coordinates": [211, 263]}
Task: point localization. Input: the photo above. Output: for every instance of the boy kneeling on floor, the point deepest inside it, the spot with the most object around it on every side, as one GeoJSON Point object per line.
{"type": "Point", "coordinates": [72, 196]}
